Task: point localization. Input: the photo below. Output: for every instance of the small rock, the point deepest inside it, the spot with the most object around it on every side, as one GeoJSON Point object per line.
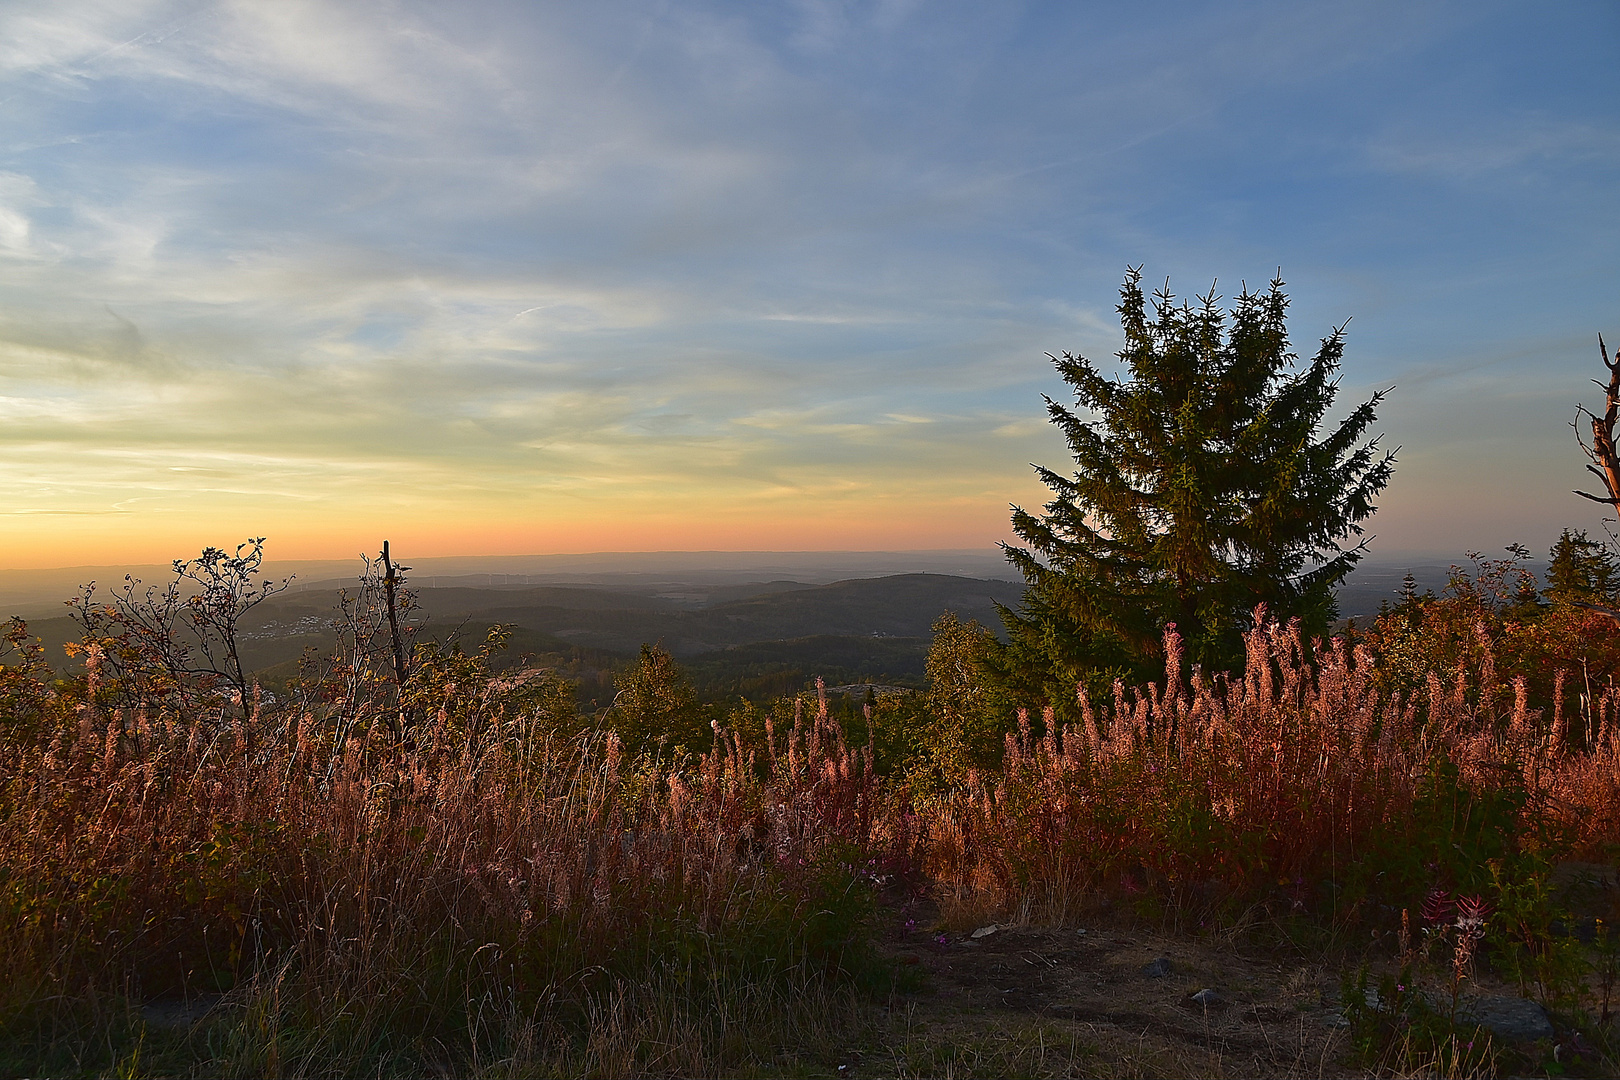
{"type": "Point", "coordinates": [1507, 1016]}
{"type": "Point", "coordinates": [1159, 968]}
{"type": "Point", "coordinates": [1515, 1019]}
{"type": "Point", "coordinates": [1208, 998]}
{"type": "Point", "coordinates": [984, 931]}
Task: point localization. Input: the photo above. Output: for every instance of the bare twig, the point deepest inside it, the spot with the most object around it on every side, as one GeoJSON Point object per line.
{"type": "Point", "coordinates": [390, 581]}
{"type": "Point", "coordinates": [392, 576]}
{"type": "Point", "coordinates": [1605, 466]}
{"type": "Point", "coordinates": [181, 641]}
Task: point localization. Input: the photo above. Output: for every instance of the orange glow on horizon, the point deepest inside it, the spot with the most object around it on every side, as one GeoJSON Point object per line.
{"type": "Point", "coordinates": [119, 540]}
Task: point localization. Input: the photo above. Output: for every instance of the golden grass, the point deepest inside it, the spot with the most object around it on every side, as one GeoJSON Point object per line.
{"type": "Point", "coordinates": [473, 893]}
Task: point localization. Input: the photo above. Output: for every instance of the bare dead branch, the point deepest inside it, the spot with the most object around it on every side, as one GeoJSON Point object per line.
{"type": "Point", "coordinates": [1599, 608]}
{"type": "Point", "coordinates": [1598, 499]}
{"type": "Point", "coordinates": [1606, 465]}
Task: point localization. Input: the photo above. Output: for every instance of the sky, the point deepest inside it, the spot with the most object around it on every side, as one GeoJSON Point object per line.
{"type": "Point", "coordinates": [517, 278]}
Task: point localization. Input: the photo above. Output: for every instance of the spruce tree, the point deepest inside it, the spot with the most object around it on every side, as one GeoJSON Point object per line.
{"type": "Point", "coordinates": [1581, 569]}
{"type": "Point", "coordinates": [1201, 489]}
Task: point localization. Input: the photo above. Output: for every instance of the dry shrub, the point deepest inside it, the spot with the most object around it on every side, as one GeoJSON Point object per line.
{"type": "Point", "coordinates": [1301, 784]}
{"type": "Point", "coordinates": [386, 897]}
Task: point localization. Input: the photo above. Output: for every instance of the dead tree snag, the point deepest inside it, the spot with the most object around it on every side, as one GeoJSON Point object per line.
{"type": "Point", "coordinates": [1603, 462]}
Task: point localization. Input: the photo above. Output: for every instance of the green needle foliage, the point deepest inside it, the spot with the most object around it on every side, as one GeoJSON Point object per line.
{"type": "Point", "coordinates": [1201, 490]}
{"type": "Point", "coordinates": [1582, 569]}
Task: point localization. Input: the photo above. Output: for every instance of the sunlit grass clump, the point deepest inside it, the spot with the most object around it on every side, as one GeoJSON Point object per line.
{"type": "Point", "coordinates": [478, 891]}
{"type": "Point", "coordinates": [1299, 784]}
{"type": "Point", "coordinates": [466, 876]}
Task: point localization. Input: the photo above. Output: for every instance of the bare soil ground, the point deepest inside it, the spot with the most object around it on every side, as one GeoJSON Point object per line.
{"type": "Point", "coordinates": [1093, 1002]}
{"type": "Point", "coordinates": [1117, 999]}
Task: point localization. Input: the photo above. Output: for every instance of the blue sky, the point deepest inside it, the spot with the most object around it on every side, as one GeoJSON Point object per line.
{"type": "Point", "coordinates": [501, 278]}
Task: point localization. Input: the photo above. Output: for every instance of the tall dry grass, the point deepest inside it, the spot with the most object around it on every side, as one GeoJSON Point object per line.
{"type": "Point", "coordinates": [471, 892]}
{"type": "Point", "coordinates": [383, 901]}
{"type": "Point", "coordinates": [1299, 784]}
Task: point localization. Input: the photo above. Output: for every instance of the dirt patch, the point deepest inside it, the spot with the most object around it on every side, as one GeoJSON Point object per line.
{"type": "Point", "coordinates": [1101, 1002]}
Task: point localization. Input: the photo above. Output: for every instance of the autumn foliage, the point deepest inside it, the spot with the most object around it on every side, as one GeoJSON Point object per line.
{"type": "Point", "coordinates": [464, 863]}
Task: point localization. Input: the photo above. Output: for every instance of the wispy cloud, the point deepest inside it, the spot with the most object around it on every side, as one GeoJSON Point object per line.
{"type": "Point", "coordinates": [1524, 144]}
{"type": "Point", "coordinates": [509, 262]}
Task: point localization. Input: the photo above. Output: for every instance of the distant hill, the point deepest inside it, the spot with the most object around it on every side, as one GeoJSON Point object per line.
{"type": "Point", "coordinates": [757, 645]}
{"type": "Point", "coordinates": [749, 638]}
{"type": "Point", "coordinates": [901, 606]}
{"type": "Point", "coordinates": [1374, 581]}
{"type": "Point", "coordinates": [688, 576]}
{"type": "Point", "coordinates": [755, 638]}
